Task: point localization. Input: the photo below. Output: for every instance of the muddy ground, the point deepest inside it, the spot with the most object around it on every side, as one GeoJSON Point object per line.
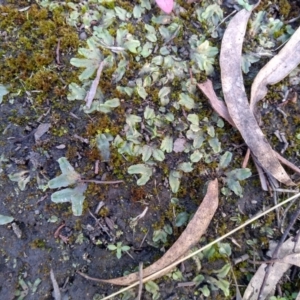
{"type": "Point", "coordinates": [31, 245]}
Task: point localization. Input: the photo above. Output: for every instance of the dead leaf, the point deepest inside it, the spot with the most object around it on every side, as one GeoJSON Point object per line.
{"type": "Point", "coordinates": [219, 106]}
{"type": "Point", "coordinates": [276, 272]}
{"type": "Point", "coordinates": [236, 98]}
{"type": "Point", "coordinates": [191, 236]}
{"type": "Point", "coordinates": [276, 69]}
{"type": "Point", "coordinates": [41, 130]}
{"type": "Point", "coordinates": [292, 259]}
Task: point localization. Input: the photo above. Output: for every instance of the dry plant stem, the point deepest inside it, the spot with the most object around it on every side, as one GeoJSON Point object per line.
{"type": "Point", "coordinates": [262, 177]}
{"type": "Point", "coordinates": [56, 233]}
{"type": "Point", "coordinates": [57, 52]}
{"type": "Point", "coordinates": [246, 158]}
{"type": "Point", "coordinates": [275, 253]}
{"type": "Point", "coordinates": [287, 163]}
{"type": "Point", "coordinates": [139, 297]}
{"type": "Point", "coordinates": [102, 182]}
{"type": "Point", "coordinates": [173, 265]}
{"type": "Point", "coordinates": [275, 203]}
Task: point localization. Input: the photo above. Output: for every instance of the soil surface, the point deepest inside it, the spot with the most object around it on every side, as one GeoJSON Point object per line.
{"type": "Point", "coordinates": [45, 235]}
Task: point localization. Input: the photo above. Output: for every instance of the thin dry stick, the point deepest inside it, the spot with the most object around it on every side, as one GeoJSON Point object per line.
{"type": "Point", "coordinates": [195, 252]}
{"type": "Point", "coordinates": [57, 52]}
{"type": "Point", "coordinates": [246, 158]}
{"type": "Point", "coordinates": [102, 182]}
{"type": "Point", "coordinates": [139, 297]}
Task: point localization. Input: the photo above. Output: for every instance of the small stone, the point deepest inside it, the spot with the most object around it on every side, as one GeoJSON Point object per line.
{"type": "Point", "coordinates": [62, 146]}
{"type": "Point", "coordinates": [83, 36]}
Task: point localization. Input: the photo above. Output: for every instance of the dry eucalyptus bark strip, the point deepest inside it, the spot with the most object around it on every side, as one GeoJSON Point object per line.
{"type": "Point", "coordinates": [191, 236]}
{"type": "Point", "coordinates": [236, 98]}
{"type": "Point", "coordinates": [276, 271]}
{"type": "Point", "coordinates": [276, 69]}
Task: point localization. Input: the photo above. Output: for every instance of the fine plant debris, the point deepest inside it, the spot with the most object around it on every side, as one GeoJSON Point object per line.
{"type": "Point", "coordinates": [139, 139]}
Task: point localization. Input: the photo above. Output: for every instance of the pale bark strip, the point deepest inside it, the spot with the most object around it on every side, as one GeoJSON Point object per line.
{"type": "Point", "coordinates": [276, 273]}
{"type": "Point", "coordinates": [276, 69]}
{"type": "Point", "coordinates": [191, 235]}
{"type": "Point", "coordinates": [236, 98]}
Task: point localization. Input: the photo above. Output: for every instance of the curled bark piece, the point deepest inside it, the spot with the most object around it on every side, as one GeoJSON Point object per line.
{"type": "Point", "coordinates": [236, 98]}
{"type": "Point", "coordinates": [276, 69]}
{"type": "Point", "coordinates": [191, 235]}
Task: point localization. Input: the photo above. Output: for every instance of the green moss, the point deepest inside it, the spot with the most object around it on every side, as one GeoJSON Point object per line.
{"type": "Point", "coordinates": [284, 8]}
{"type": "Point", "coordinates": [38, 244]}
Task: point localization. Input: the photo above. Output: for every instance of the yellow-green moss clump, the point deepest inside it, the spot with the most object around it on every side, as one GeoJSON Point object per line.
{"type": "Point", "coordinates": [29, 52]}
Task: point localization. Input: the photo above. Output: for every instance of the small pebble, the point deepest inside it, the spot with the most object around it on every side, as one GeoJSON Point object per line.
{"type": "Point", "coordinates": [16, 230]}
{"type": "Point", "coordinates": [82, 36]}
{"type": "Point", "coordinates": [62, 146]}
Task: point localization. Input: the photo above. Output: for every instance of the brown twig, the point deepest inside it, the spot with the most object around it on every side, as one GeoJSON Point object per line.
{"type": "Point", "coordinates": [57, 52]}
{"type": "Point", "coordinates": [103, 182]}
{"type": "Point", "coordinates": [56, 233]}
{"type": "Point", "coordinates": [139, 297]}
{"type": "Point", "coordinates": [89, 278]}
{"type": "Point", "coordinates": [246, 158]}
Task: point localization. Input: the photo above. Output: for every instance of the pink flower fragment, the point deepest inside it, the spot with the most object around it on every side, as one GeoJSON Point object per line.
{"type": "Point", "coordinates": [165, 5]}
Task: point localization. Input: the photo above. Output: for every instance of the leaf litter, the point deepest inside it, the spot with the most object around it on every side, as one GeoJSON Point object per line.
{"type": "Point", "coordinates": [239, 112]}
{"type": "Point", "coordinates": [236, 98]}
{"type": "Point", "coordinates": [276, 69]}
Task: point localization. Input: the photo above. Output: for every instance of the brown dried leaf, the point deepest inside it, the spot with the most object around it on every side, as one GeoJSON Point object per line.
{"type": "Point", "coordinates": [219, 106]}
{"type": "Point", "coordinates": [191, 235]}
{"type": "Point", "coordinates": [236, 98]}
{"type": "Point", "coordinates": [276, 69]}
{"type": "Point", "coordinates": [276, 272]}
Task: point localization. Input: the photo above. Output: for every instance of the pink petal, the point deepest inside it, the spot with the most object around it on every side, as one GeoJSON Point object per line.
{"type": "Point", "coordinates": [165, 5]}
